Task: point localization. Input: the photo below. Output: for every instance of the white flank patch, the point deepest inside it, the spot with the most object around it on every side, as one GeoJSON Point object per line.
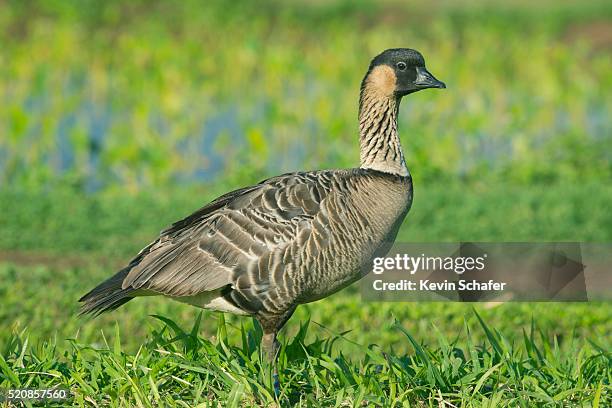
{"type": "Point", "coordinates": [212, 301]}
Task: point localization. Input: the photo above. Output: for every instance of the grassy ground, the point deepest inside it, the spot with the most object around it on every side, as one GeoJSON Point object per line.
{"type": "Point", "coordinates": [177, 367]}
{"type": "Point", "coordinates": [351, 353]}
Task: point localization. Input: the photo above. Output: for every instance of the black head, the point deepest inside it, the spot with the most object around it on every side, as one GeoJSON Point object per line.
{"type": "Point", "coordinates": [400, 71]}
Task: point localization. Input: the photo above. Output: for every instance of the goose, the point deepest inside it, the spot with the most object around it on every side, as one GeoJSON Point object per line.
{"type": "Point", "coordinates": [262, 250]}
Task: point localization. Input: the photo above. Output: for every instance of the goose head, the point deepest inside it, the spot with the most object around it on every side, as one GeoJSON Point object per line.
{"type": "Point", "coordinates": [398, 72]}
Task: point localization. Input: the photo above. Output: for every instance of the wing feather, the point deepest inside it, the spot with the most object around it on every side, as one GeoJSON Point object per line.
{"type": "Point", "coordinates": [234, 240]}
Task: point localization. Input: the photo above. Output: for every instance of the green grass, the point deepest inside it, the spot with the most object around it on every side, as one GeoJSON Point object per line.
{"type": "Point", "coordinates": [56, 245]}
{"type": "Point", "coordinates": [25, 289]}
{"type": "Point", "coordinates": [60, 220]}
{"type": "Point", "coordinates": [66, 242]}
{"type": "Point", "coordinates": [177, 367]}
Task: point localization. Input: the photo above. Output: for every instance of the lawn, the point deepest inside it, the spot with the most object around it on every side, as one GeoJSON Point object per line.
{"type": "Point", "coordinates": [154, 351]}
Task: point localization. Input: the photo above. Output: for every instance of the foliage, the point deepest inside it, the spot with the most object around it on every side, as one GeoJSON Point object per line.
{"type": "Point", "coordinates": [177, 365]}
{"type": "Point", "coordinates": [127, 95]}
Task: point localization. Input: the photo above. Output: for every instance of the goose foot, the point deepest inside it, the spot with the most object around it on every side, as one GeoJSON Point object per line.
{"type": "Point", "coordinates": [276, 383]}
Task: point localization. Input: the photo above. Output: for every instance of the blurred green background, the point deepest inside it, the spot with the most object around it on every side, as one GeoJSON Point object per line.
{"type": "Point", "coordinates": [117, 118]}
{"type": "Point", "coordinates": [137, 95]}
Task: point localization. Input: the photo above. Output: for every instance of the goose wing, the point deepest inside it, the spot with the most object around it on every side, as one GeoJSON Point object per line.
{"type": "Point", "coordinates": [234, 240]}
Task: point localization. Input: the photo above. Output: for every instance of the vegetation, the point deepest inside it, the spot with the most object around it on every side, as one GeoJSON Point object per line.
{"type": "Point", "coordinates": [117, 118]}
{"type": "Point", "coordinates": [152, 94]}
{"type": "Point", "coordinates": [177, 365]}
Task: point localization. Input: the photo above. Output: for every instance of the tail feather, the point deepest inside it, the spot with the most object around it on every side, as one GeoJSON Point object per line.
{"type": "Point", "coordinates": [107, 296]}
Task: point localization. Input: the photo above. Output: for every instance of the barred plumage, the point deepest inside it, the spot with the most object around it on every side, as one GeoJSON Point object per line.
{"type": "Point", "coordinates": [292, 239]}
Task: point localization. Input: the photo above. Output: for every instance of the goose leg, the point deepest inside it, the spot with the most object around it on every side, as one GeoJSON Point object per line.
{"type": "Point", "coordinates": [271, 346]}
{"type": "Point", "coordinates": [271, 324]}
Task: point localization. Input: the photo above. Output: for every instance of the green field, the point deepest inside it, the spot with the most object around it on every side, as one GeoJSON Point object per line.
{"type": "Point", "coordinates": [534, 353]}
{"type": "Point", "coordinates": [117, 118]}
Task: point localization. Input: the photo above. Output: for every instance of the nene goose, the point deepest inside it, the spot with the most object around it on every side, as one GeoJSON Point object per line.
{"type": "Point", "coordinates": [262, 250]}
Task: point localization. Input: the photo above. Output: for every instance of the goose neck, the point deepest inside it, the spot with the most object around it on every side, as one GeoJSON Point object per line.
{"type": "Point", "coordinates": [380, 147]}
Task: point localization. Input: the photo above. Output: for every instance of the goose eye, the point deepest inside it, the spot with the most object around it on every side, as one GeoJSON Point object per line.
{"type": "Point", "coordinates": [401, 66]}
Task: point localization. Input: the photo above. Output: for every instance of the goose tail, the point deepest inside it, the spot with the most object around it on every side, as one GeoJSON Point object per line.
{"type": "Point", "coordinates": [107, 296]}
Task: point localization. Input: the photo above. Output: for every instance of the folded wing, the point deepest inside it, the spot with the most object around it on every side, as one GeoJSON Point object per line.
{"type": "Point", "coordinates": [233, 244]}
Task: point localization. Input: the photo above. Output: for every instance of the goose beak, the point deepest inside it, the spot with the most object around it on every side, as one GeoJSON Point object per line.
{"type": "Point", "coordinates": [425, 80]}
